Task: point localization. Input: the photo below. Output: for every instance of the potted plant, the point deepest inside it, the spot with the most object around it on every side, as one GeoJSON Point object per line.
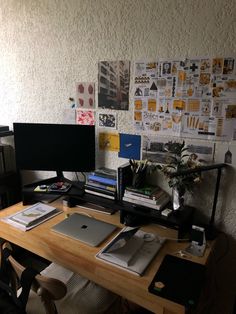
{"type": "Point", "coordinates": [178, 172]}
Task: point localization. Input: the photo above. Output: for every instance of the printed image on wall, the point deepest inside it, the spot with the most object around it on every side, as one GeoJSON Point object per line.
{"type": "Point", "coordinates": [106, 120]}
{"type": "Point", "coordinates": [158, 150]}
{"type": "Point", "coordinates": [113, 84]}
{"type": "Point", "coordinates": [85, 95]}
{"type": "Point", "coordinates": [161, 149]}
{"type": "Point", "coordinates": [85, 117]}
{"type": "Point", "coordinates": [109, 141]}
{"type": "Point", "coordinates": [130, 145]}
{"type": "Point", "coordinates": [189, 97]}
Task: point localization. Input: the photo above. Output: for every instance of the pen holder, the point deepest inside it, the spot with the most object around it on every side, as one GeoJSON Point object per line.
{"type": "Point", "coordinates": [139, 178]}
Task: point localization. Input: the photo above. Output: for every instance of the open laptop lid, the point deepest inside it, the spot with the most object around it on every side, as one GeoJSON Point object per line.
{"type": "Point", "coordinates": [85, 229]}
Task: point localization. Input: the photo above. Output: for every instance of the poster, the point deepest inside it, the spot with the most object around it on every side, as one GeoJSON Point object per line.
{"type": "Point", "coordinates": [113, 84]}
{"type": "Point", "coordinates": [186, 97]}
{"type": "Point", "coordinates": [85, 117]}
{"type": "Point", "coordinates": [109, 141]}
{"type": "Point", "coordinates": [159, 149]}
{"type": "Point", "coordinates": [130, 146]}
{"type": "Point", "coordinates": [85, 95]}
{"type": "Point", "coordinates": [107, 120]}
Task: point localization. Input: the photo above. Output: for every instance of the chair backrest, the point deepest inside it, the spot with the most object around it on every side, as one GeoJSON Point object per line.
{"type": "Point", "coordinates": [48, 289]}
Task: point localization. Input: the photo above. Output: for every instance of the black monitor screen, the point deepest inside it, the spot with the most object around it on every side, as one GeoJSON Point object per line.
{"type": "Point", "coordinates": [54, 147]}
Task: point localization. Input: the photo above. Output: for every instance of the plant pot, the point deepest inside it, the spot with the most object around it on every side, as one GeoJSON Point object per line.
{"type": "Point", "coordinates": [177, 198]}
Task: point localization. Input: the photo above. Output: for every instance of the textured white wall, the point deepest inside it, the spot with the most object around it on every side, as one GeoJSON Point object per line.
{"type": "Point", "coordinates": [47, 46]}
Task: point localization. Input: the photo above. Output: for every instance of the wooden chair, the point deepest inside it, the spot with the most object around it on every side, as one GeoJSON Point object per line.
{"type": "Point", "coordinates": [44, 288]}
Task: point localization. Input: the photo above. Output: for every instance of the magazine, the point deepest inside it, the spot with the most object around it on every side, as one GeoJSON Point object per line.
{"type": "Point", "coordinates": [132, 250]}
{"type": "Point", "coordinates": [32, 216]}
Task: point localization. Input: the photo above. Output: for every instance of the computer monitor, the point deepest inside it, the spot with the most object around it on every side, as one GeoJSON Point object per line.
{"type": "Point", "coordinates": [54, 147]}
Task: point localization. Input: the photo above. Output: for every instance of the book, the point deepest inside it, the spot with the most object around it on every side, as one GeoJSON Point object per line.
{"type": "Point", "coordinates": [111, 197]}
{"type": "Point", "coordinates": [154, 199]}
{"type": "Point", "coordinates": [146, 191]}
{"type": "Point", "coordinates": [101, 185]}
{"type": "Point", "coordinates": [106, 172]}
{"type": "Point", "coordinates": [100, 179]}
{"type": "Point", "coordinates": [97, 189]}
{"type": "Point", "coordinates": [124, 178]}
{"type": "Point", "coordinates": [32, 216]}
{"type": "Point", "coordinates": [158, 206]}
{"type": "Point", "coordinates": [97, 208]}
{"type": "Point", "coordinates": [131, 250]}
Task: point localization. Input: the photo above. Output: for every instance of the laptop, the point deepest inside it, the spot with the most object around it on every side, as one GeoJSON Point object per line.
{"type": "Point", "coordinates": [85, 229]}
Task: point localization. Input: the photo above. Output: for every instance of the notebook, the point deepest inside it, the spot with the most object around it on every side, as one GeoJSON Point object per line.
{"type": "Point", "coordinates": [85, 229]}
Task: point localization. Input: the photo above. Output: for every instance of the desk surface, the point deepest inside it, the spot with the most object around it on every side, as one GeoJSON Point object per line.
{"type": "Point", "coordinates": [80, 257]}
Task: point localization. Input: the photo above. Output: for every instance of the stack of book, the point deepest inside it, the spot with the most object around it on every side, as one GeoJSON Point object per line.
{"type": "Point", "coordinates": [148, 196]}
{"type": "Point", "coordinates": [32, 216]}
{"type": "Point", "coordinates": [102, 182]}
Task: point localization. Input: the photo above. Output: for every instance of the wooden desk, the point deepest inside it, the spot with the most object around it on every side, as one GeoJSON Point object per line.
{"type": "Point", "coordinates": [80, 258]}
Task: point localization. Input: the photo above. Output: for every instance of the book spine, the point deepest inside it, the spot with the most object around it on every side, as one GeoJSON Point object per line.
{"type": "Point", "coordinates": [143, 192]}
{"type": "Point", "coordinates": [124, 177]}
{"type": "Point", "coordinates": [119, 184]}
{"type": "Point", "coordinates": [104, 175]}
{"type": "Point", "coordinates": [141, 198]}
{"type": "Point", "coordinates": [102, 180]}
{"type": "Point", "coordinates": [100, 194]}
{"type": "Point", "coordinates": [131, 192]}
{"type": "Point", "coordinates": [97, 189]}
{"type": "Point", "coordinates": [143, 203]}
{"type": "Point", "coordinates": [101, 185]}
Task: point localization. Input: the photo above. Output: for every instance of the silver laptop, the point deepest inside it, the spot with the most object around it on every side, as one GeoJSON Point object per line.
{"type": "Point", "coordinates": [86, 229]}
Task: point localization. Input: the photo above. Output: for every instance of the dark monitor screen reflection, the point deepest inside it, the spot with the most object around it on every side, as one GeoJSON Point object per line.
{"type": "Point", "coordinates": [54, 147]}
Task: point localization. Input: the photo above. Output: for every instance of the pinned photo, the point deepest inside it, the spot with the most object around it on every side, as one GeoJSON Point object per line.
{"type": "Point", "coordinates": [85, 95]}
{"type": "Point", "coordinates": [106, 120]}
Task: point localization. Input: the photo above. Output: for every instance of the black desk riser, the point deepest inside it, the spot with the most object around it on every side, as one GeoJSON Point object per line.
{"type": "Point", "coordinates": [134, 215]}
{"type": "Point", "coordinates": [180, 221]}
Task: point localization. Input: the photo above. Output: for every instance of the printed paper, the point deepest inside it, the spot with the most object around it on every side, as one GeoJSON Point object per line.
{"type": "Point", "coordinates": [186, 97]}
